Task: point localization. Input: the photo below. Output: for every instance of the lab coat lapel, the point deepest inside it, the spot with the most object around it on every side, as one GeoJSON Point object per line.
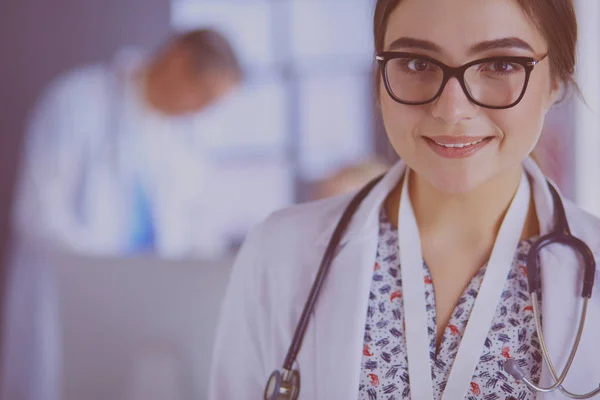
{"type": "Point", "coordinates": [340, 320]}
{"type": "Point", "coordinates": [340, 314]}
{"type": "Point", "coordinates": [562, 276]}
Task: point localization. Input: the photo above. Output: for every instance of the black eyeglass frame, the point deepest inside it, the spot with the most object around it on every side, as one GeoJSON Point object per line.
{"type": "Point", "coordinates": [528, 63]}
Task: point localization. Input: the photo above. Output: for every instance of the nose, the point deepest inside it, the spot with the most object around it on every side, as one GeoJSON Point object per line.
{"type": "Point", "coordinates": [453, 105]}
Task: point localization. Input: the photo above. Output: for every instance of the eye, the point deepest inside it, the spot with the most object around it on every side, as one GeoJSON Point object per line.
{"type": "Point", "coordinates": [418, 65]}
{"type": "Point", "coordinates": [502, 67]}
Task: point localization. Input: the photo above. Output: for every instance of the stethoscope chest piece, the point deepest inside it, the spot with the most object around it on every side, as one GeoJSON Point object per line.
{"type": "Point", "coordinates": [283, 386]}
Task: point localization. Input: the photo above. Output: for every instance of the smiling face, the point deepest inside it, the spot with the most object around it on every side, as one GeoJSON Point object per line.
{"type": "Point", "coordinates": [453, 141]}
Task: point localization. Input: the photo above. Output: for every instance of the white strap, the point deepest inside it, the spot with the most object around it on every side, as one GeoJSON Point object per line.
{"type": "Point", "coordinates": [484, 309]}
{"type": "Point", "coordinates": [413, 293]}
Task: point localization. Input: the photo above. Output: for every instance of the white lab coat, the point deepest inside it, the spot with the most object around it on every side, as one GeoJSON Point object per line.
{"type": "Point", "coordinates": [90, 134]}
{"type": "Point", "coordinates": [278, 263]}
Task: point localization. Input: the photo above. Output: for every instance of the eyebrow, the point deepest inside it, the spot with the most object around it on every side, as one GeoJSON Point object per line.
{"type": "Point", "coordinates": [496, 44]}
{"type": "Point", "coordinates": [412, 43]}
{"type": "Point", "coordinates": [504, 43]}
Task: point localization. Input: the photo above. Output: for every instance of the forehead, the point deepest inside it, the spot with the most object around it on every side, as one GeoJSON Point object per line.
{"type": "Point", "coordinates": [456, 25]}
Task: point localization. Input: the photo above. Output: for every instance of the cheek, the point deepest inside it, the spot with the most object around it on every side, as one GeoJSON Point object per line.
{"type": "Point", "coordinates": [522, 124]}
{"type": "Point", "coordinates": [400, 122]}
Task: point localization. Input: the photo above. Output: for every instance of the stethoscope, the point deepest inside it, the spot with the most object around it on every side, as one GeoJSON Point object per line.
{"type": "Point", "coordinates": [284, 384]}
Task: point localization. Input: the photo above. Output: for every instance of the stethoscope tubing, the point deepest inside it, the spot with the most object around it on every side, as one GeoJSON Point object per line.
{"type": "Point", "coordinates": [560, 235]}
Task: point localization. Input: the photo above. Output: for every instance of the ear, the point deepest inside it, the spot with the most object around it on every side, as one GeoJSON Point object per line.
{"type": "Point", "coordinates": [555, 93]}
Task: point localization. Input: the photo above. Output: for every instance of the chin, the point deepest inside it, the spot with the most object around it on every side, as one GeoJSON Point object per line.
{"type": "Point", "coordinates": [455, 182]}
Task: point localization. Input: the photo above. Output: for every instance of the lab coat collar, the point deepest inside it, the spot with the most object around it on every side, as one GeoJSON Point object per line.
{"type": "Point", "coordinates": [371, 205]}
{"type": "Point", "coordinates": [369, 208]}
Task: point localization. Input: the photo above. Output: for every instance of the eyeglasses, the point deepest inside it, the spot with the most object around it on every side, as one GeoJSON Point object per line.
{"type": "Point", "coordinates": [494, 82]}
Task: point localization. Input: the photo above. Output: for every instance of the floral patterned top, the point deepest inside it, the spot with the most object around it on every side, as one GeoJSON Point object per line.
{"type": "Point", "coordinates": [512, 334]}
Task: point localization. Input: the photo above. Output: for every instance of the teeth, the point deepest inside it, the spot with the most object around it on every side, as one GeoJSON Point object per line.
{"type": "Point", "coordinates": [459, 145]}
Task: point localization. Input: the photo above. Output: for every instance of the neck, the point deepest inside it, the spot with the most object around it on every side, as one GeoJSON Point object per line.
{"type": "Point", "coordinates": [471, 216]}
{"type": "Point", "coordinates": [469, 219]}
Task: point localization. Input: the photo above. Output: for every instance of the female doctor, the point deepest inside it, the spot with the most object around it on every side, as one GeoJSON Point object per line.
{"type": "Point", "coordinates": [431, 290]}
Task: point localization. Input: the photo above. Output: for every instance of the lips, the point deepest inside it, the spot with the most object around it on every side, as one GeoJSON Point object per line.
{"type": "Point", "coordinates": [457, 146]}
{"type": "Point", "coordinates": [457, 141]}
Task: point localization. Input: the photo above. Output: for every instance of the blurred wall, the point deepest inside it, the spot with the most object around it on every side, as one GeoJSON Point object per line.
{"type": "Point", "coordinates": [39, 39]}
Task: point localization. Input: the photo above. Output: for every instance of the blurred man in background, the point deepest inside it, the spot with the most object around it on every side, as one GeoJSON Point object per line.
{"type": "Point", "coordinates": [113, 161]}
